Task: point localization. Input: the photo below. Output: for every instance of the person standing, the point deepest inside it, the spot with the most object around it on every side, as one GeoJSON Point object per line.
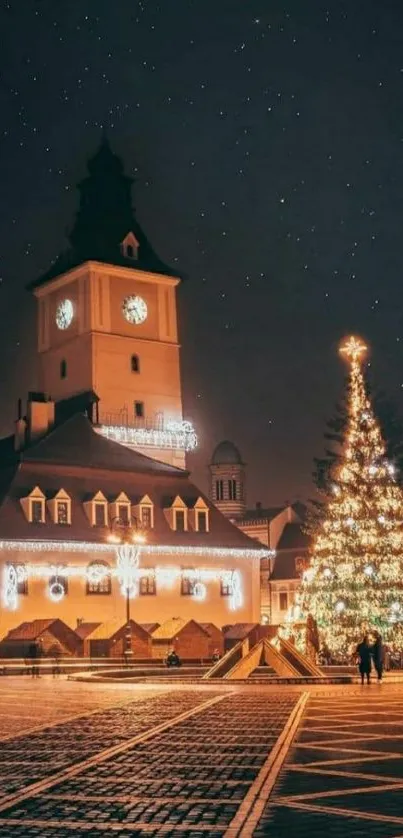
{"type": "Point", "coordinates": [364, 659]}
{"type": "Point", "coordinates": [378, 655]}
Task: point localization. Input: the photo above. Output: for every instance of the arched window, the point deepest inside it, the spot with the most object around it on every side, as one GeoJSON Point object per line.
{"type": "Point", "coordinates": [99, 578]}
{"type": "Point", "coordinates": [135, 363]}
{"type": "Point", "coordinates": [63, 369]}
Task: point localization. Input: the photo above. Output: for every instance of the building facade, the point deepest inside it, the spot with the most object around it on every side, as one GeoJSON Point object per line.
{"type": "Point", "coordinates": [280, 529]}
{"type": "Point", "coordinates": [99, 520]}
{"type": "Point", "coordinates": [107, 321]}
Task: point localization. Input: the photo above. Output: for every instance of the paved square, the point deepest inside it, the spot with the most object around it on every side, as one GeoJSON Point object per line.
{"type": "Point", "coordinates": [82, 759]}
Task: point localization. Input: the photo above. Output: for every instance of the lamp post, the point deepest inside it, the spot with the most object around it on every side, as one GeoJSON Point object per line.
{"type": "Point", "coordinates": [126, 535]}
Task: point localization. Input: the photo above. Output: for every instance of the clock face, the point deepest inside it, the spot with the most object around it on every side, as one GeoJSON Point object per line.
{"type": "Point", "coordinates": [134, 309]}
{"type": "Point", "coordinates": [64, 314]}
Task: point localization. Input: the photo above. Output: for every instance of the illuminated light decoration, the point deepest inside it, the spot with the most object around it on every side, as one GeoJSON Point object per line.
{"type": "Point", "coordinates": [56, 591]}
{"type": "Point", "coordinates": [151, 549]}
{"type": "Point", "coordinates": [177, 436]}
{"type": "Point", "coordinates": [365, 589]}
{"type": "Point", "coordinates": [353, 348]}
{"type": "Point", "coordinates": [127, 562]}
{"type": "Point", "coordinates": [127, 572]}
{"type": "Point", "coordinates": [236, 598]}
{"type": "Point", "coordinates": [199, 592]}
{"type": "Point", "coordinates": [10, 588]}
{"type": "Point", "coordinates": [335, 489]}
{"type": "Point", "coordinates": [96, 573]}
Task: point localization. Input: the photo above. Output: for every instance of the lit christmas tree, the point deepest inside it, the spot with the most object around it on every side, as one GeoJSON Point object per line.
{"type": "Point", "coordinates": [355, 579]}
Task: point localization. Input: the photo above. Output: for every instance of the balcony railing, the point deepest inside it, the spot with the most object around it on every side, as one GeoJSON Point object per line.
{"type": "Point", "coordinates": [152, 432]}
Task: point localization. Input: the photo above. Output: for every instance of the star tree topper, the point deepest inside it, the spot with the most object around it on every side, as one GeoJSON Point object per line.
{"type": "Point", "coordinates": [353, 348]}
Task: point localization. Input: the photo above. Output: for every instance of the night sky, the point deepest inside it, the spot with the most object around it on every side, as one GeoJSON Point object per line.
{"type": "Point", "coordinates": [266, 140]}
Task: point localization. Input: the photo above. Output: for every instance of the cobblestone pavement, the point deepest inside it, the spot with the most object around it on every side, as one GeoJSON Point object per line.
{"type": "Point", "coordinates": [184, 761]}
{"type": "Point", "coordinates": [26, 703]}
{"type": "Point", "coordinates": [344, 773]}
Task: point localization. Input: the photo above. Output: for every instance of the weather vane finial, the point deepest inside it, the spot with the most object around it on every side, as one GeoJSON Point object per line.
{"type": "Point", "coordinates": [353, 348]}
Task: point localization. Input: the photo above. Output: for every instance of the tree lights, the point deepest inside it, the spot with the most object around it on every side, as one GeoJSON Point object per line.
{"type": "Point", "coordinates": [355, 581]}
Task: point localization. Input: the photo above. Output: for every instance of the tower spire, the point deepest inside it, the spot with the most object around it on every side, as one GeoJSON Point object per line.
{"type": "Point", "coordinates": [105, 217]}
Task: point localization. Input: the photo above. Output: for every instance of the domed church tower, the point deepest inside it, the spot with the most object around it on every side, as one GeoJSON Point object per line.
{"type": "Point", "coordinates": [227, 480]}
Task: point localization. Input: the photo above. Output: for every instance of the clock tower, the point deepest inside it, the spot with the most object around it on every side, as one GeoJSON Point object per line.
{"type": "Point", "coordinates": [107, 321]}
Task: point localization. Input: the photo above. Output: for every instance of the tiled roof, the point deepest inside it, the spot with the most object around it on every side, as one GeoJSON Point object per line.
{"type": "Point", "coordinates": [75, 458]}
{"type": "Point", "coordinates": [169, 629]}
{"type": "Point", "coordinates": [172, 627]}
{"type": "Point", "coordinates": [84, 629]}
{"type": "Point", "coordinates": [293, 538]}
{"type": "Point", "coordinates": [75, 443]}
{"type": "Point", "coordinates": [209, 627]}
{"type": "Point", "coordinates": [105, 631]}
{"type": "Point", "coordinates": [30, 630]}
{"type": "Point", "coordinates": [240, 630]}
{"type": "Point", "coordinates": [149, 627]}
{"type": "Point", "coordinates": [284, 567]}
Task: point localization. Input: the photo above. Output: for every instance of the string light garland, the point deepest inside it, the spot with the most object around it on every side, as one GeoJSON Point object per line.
{"type": "Point", "coordinates": [355, 580]}
{"type": "Point", "coordinates": [49, 546]}
{"type": "Point", "coordinates": [175, 436]}
{"type": "Point", "coordinates": [128, 573]}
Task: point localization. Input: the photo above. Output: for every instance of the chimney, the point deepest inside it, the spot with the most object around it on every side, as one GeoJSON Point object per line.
{"type": "Point", "coordinates": [258, 504]}
{"type": "Point", "coordinates": [40, 416]}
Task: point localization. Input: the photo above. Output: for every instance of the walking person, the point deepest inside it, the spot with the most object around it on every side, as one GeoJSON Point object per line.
{"type": "Point", "coordinates": [364, 659]}
{"type": "Point", "coordinates": [378, 655]}
{"type": "Point", "coordinates": [33, 656]}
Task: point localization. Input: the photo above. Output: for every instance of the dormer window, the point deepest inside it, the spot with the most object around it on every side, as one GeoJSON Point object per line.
{"type": "Point", "coordinates": [62, 512]}
{"type": "Point", "coordinates": [130, 247]}
{"type": "Point", "coordinates": [97, 510]}
{"type": "Point", "coordinates": [34, 506]}
{"type": "Point", "coordinates": [120, 510]}
{"type": "Point", "coordinates": [60, 508]}
{"type": "Point", "coordinates": [124, 513]}
{"type": "Point", "coordinates": [180, 520]}
{"type": "Point", "coordinates": [199, 516]}
{"type": "Point", "coordinates": [177, 515]}
{"type": "Point", "coordinates": [99, 515]}
{"type": "Point", "coordinates": [145, 512]}
{"type": "Point", "coordinates": [201, 520]}
{"type": "Point", "coordinates": [37, 512]}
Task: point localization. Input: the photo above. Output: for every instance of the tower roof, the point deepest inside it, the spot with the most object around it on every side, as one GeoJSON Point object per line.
{"type": "Point", "coordinates": [104, 218]}
{"type": "Point", "coordinates": [226, 453]}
